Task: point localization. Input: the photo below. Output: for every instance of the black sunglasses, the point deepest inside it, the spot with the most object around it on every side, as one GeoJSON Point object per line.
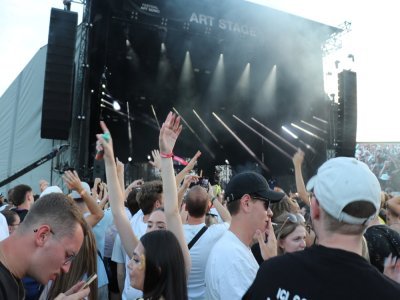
{"type": "Point", "coordinates": [264, 200]}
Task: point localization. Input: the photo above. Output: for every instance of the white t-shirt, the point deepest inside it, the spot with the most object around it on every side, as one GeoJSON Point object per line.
{"type": "Point", "coordinates": [231, 269]}
{"type": "Point", "coordinates": [199, 255]}
{"type": "Point", "coordinates": [139, 228]}
{"type": "Point", "coordinates": [4, 233]}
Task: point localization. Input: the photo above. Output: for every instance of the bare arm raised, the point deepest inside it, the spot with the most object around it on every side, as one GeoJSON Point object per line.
{"type": "Point", "coordinates": [298, 159]}
{"type": "Point", "coordinates": [169, 133]}
{"type": "Point", "coordinates": [116, 196]}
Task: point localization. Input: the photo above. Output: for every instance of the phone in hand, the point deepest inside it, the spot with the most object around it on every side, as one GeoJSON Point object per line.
{"type": "Point", "coordinates": [202, 181]}
{"type": "Point", "coordinates": [89, 281]}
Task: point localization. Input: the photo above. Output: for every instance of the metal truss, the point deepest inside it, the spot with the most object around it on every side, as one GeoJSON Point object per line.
{"type": "Point", "coordinates": [334, 43]}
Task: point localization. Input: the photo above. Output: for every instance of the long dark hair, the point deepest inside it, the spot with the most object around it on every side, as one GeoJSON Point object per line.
{"type": "Point", "coordinates": [165, 273]}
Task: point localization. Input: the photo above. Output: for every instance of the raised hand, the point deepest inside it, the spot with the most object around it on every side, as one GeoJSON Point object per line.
{"type": "Point", "coordinates": [392, 268]}
{"type": "Point", "coordinates": [156, 162]}
{"type": "Point", "coordinates": [103, 145]}
{"type": "Point", "coordinates": [120, 166]}
{"type": "Point", "coordinates": [268, 249]}
{"type": "Point", "coordinates": [72, 181]}
{"type": "Point", "coordinates": [169, 132]}
{"type": "Point", "coordinates": [298, 158]}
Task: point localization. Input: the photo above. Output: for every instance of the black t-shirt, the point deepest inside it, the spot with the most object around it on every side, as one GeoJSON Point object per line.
{"type": "Point", "coordinates": [10, 286]}
{"type": "Point", "coordinates": [321, 273]}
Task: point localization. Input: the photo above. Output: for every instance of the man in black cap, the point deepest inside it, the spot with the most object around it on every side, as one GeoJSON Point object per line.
{"type": "Point", "coordinates": [231, 266]}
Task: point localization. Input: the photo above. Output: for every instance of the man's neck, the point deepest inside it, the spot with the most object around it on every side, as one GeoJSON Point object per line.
{"type": "Point", "coordinates": [196, 221]}
{"type": "Point", "coordinates": [241, 230]}
{"type": "Point", "coordinates": [26, 205]}
{"type": "Point", "coordinates": [351, 243]}
{"type": "Point", "coordinates": [12, 256]}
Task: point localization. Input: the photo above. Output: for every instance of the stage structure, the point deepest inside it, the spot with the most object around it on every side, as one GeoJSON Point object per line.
{"type": "Point", "coordinates": [236, 72]}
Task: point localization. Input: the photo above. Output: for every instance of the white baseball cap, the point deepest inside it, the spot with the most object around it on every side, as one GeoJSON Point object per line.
{"type": "Point", "coordinates": [341, 181]}
{"type": "Point", "coordinates": [51, 189]}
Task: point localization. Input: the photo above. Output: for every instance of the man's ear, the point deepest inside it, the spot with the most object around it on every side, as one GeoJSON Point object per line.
{"type": "Point", "coordinates": [315, 211]}
{"type": "Point", "coordinates": [42, 234]}
{"type": "Point", "coordinates": [157, 204]}
{"type": "Point", "coordinates": [245, 203]}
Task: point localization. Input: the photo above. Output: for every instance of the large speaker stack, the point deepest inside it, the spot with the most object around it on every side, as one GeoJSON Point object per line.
{"type": "Point", "coordinates": [347, 114]}
{"type": "Point", "coordinates": [59, 75]}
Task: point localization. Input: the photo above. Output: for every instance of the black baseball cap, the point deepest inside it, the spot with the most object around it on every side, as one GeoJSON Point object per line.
{"type": "Point", "coordinates": [253, 184]}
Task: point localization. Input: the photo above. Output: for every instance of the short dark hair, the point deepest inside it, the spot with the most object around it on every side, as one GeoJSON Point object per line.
{"type": "Point", "coordinates": [165, 266]}
{"type": "Point", "coordinates": [197, 202]}
{"type": "Point", "coordinates": [10, 216]}
{"type": "Point", "coordinates": [148, 194]}
{"type": "Point", "coordinates": [358, 209]}
{"type": "Point", "coordinates": [131, 202]}
{"type": "Point", "coordinates": [58, 211]}
{"type": "Point", "coordinates": [233, 207]}
{"type": "Point", "coordinates": [18, 194]}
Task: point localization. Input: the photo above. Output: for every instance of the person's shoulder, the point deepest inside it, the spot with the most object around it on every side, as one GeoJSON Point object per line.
{"type": "Point", "coordinates": [286, 261]}
{"type": "Point", "coordinates": [219, 226]}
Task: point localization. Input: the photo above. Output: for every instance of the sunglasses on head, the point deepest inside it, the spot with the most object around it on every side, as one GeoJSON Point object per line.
{"type": "Point", "coordinates": [292, 218]}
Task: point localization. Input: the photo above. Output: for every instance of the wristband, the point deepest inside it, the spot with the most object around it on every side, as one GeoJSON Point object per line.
{"type": "Point", "coordinates": [166, 155]}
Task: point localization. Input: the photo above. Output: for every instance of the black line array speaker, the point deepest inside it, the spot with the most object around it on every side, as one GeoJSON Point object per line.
{"type": "Point", "coordinates": [347, 114]}
{"type": "Point", "coordinates": [59, 75]}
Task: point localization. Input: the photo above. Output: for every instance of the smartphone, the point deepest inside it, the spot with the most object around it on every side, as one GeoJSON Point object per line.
{"type": "Point", "coordinates": [202, 181]}
{"type": "Point", "coordinates": [89, 281]}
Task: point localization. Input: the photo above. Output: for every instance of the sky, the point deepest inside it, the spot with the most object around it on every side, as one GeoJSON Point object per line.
{"type": "Point", "coordinates": [24, 29]}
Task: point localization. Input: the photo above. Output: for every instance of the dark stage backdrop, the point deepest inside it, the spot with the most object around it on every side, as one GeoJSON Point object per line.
{"type": "Point", "coordinates": [125, 55]}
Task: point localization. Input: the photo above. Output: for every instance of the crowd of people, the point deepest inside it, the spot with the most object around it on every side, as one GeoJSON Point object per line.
{"type": "Point", "coordinates": [338, 237]}
{"type": "Point", "coordinates": [384, 161]}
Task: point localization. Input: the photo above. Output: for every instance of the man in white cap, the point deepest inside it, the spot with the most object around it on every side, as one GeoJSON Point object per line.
{"type": "Point", "coordinates": [345, 197]}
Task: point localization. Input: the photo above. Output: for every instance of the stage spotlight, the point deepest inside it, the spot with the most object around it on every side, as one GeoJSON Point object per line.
{"type": "Point", "coordinates": [92, 91]}
{"type": "Point", "coordinates": [307, 132]}
{"type": "Point", "coordinates": [268, 89]}
{"type": "Point", "coordinates": [163, 48]}
{"type": "Point", "coordinates": [148, 157]}
{"type": "Point", "coordinates": [129, 158]}
{"type": "Point", "coordinates": [243, 85]}
{"type": "Point", "coordinates": [217, 90]}
{"type": "Point", "coordinates": [321, 120]}
{"type": "Point", "coordinates": [186, 86]}
{"type": "Point", "coordinates": [116, 105]}
{"type": "Point", "coordinates": [289, 132]}
{"type": "Point", "coordinates": [226, 161]}
{"type": "Point", "coordinates": [103, 86]}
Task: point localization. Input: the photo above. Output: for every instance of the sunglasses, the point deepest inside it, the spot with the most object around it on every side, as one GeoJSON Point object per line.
{"type": "Point", "coordinates": [264, 201]}
{"type": "Point", "coordinates": [294, 219]}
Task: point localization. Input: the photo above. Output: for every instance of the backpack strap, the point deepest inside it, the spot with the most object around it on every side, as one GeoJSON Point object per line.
{"type": "Point", "coordinates": [197, 236]}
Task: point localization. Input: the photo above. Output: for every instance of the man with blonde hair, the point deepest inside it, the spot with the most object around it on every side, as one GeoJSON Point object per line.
{"type": "Point", "coordinates": [43, 247]}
